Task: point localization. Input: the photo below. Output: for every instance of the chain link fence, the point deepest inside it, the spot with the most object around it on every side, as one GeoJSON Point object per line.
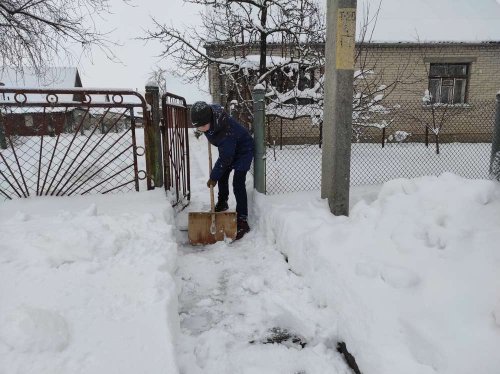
{"type": "Point", "coordinates": [393, 139]}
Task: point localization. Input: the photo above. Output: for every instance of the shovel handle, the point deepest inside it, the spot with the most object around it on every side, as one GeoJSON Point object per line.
{"type": "Point", "coordinates": [212, 203]}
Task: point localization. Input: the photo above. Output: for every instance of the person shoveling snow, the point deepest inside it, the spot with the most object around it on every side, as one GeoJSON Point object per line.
{"type": "Point", "coordinates": [236, 149]}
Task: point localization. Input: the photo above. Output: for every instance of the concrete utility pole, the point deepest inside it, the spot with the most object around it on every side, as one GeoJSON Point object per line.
{"type": "Point", "coordinates": [337, 117]}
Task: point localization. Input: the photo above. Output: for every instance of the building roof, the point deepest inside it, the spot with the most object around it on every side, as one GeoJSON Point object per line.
{"type": "Point", "coordinates": [53, 77]}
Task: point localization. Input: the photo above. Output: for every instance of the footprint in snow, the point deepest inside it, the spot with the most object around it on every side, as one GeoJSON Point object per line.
{"type": "Point", "coordinates": [253, 284]}
{"type": "Point", "coordinates": [397, 277]}
{"type": "Point", "coordinates": [422, 347]}
{"type": "Point", "coordinates": [496, 314]}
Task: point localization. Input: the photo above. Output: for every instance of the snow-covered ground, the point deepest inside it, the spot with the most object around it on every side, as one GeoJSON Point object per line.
{"type": "Point", "coordinates": [236, 299]}
{"type": "Point", "coordinates": [409, 282]}
{"type": "Point", "coordinates": [410, 279]}
{"type": "Point", "coordinates": [86, 285]}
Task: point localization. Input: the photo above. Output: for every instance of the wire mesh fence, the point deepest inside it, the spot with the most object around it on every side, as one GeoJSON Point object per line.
{"type": "Point", "coordinates": [52, 145]}
{"type": "Point", "coordinates": [397, 139]}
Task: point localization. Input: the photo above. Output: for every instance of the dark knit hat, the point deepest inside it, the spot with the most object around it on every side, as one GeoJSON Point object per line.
{"type": "Point", "coordinates": [201, 114]}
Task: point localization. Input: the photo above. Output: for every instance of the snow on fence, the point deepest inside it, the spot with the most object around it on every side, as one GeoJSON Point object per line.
{"type": "Point", "coordinates": [393, 140]}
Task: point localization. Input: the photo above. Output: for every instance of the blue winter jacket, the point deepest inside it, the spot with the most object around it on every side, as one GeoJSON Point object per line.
{"type": "Point", "coordinates": [235, 144]}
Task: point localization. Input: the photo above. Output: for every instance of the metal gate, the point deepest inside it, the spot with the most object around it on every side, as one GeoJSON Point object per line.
{"type": "Point", "coordinates": [59, 142]}
{"type": "Point", "coordinates": [176, 148]}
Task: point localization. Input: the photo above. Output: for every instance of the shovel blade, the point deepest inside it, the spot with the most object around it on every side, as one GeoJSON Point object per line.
{"type": "Point", "coordinates": [199, 227]}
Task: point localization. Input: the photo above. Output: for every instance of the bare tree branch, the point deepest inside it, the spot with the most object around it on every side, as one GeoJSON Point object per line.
{"type": "Point", "coordinates": [34, 32]}
{"type": "Point", "coordinates": [239, 44]}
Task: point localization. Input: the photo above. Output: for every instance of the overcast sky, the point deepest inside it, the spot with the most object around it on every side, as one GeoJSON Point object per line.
{"type": "Point", "coordinates": [409, 20]}
{"type": "Point", "coordinates": [138, 58]}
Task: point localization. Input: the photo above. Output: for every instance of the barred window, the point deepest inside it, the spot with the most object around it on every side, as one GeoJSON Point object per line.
{"type": "Point", "coordinates": [448, 83]}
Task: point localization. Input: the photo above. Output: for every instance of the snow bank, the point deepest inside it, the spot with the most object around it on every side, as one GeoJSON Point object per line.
{"type": "Point", "coordinates": [86, 285]}
{"type": "Point", "coordinates": [410, 278]}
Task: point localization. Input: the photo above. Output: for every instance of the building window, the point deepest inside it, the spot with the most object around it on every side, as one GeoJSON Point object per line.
{"type": "Point", "coordinates": [448, 83]}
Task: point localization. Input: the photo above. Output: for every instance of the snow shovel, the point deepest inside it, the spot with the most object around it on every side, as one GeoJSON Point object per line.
{"type": "Point", "coordinates": [210, 227]}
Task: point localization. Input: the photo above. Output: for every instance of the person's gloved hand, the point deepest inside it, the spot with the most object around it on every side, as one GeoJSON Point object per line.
{"type": "Point", "coordinates": [211, 183]}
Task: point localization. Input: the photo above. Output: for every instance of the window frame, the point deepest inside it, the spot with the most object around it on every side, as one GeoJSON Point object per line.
{"type": "Point", "coordinates": [443, 78]}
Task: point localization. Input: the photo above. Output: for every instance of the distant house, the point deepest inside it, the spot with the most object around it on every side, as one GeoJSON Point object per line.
{"type": "Point", "coordinates": [458, 76]}
{"type": "Point", "coordinates": [33, 120]}
{"type": "Point", "coordinates": [453, 67]}
{"type": "Point", "coordinates": [55, 77]}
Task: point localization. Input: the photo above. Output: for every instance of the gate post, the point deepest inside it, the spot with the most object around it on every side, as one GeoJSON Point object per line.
{"type": "Point", "coordinates": [259, 162]}
{"type": "Point", "coordinates": [495, 146]}
{"type": "Point", "coordinates": [153, 134]}
{"type": "Point", "coordinates": [3, 141]}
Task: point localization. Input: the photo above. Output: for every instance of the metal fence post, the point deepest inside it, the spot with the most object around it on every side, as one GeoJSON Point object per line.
{"type": "Point", "coordinates": [3, 141]}
{"type": "Point", "coordinates": [495, 146]}
{"type": "Point", "coordinates": [259, 163]}
{"type": "Point", "coordinates": [154, 134]}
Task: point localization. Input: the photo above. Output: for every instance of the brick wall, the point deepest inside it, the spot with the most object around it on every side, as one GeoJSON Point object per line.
{"type": "Point", "coordinates": [410, 63]}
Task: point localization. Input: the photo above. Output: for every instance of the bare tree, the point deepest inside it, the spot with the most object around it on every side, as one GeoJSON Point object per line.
{"type": "Point", "coordinates": [236, 40]}
{"type": "Point", "coordinates": [33, 32]}
{"type": "Point", "coordinates": [159, 77]}
{"type": "Point", "coordinates": [237, 34]}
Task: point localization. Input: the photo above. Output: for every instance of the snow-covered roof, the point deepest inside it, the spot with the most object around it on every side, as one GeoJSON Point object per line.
{"type": "Point", "coordinates": [252, 61]}
{"type": "Point", "coordinates": [53, 77]}
{"type": "Point", "coordinates": [57, 78]}
{"type": "Point", "coordinates": [434, 20]}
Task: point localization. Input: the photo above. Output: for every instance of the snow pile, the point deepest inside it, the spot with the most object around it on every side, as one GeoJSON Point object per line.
{"type": "Point", "coordinates": [86, 285]}
{"type": "Point", "coordinates": [410, 279]}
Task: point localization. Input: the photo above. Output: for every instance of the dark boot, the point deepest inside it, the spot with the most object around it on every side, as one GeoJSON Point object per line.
{"type": "Point", "coordinates": [242, 228]}
{"type": "Point", "coordinates": [221, 206]}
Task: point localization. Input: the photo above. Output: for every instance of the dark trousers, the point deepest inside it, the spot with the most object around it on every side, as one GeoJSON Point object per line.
{"type": "Point", "coordinates": [240, 192]}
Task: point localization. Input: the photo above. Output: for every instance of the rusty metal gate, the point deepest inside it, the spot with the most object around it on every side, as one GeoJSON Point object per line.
{"type": "Point", "coordinates": [59, 142]}
{"type": "Point", "coordinates": [176, 148]}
